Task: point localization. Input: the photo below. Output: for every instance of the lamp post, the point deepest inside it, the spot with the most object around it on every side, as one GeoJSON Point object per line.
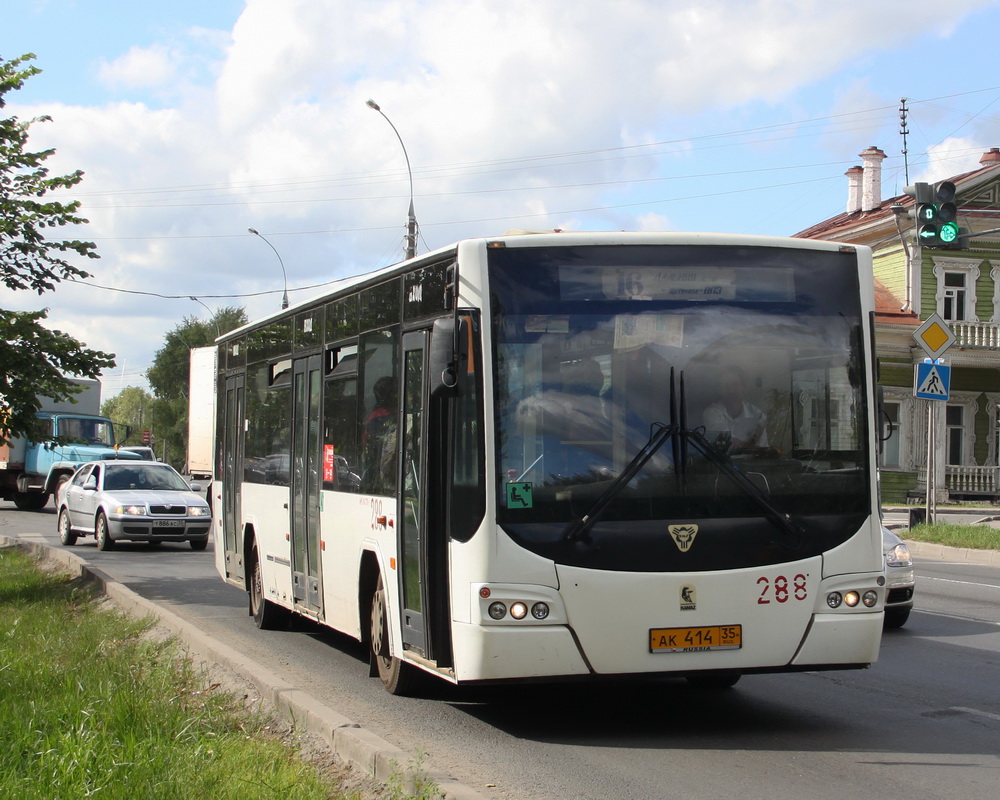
{"type": "Point", "coordinates": [218, 330]}
{"type": "Point", "coordinates": [284, 277]}
{"type": "Point", "coordinates": [410, 240]}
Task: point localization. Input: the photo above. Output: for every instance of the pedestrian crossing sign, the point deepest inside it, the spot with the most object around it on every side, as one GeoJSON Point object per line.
{"type": "Point", "coordinates": [932, 381]}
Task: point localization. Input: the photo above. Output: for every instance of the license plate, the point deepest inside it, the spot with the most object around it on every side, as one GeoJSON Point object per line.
{"type": "Point", "coordinates": [695, 640]}
{"type": "Point", "coordinates": [168, 523]}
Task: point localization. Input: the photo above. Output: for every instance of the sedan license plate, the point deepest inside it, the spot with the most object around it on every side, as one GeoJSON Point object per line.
{"type": "Point", "coordinates": [695, 640]}
{"type": "Point", "coordinates": [168, 523]}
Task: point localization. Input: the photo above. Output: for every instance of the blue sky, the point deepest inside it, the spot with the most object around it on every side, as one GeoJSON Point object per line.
{"type": "Point", "coordinates": [196, 120]}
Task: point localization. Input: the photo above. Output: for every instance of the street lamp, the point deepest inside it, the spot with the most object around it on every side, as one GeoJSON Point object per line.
{"type": "Point", "coordinates": [284, 297]}
{"type": "Point", "coordinates": [218, 330]}
{"type": "Point", "coordinates": [410, 239]}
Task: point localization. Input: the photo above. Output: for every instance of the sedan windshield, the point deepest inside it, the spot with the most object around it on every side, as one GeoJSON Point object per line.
{"type": "Point", "coordinates": [143, 476]}
{"type": "Point", "coordinates": [645, 389]}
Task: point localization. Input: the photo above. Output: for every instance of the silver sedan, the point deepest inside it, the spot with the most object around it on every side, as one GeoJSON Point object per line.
{"type": "Point", "coordinates": [899, 580]}
{"type": "Point", "coordinates": [139, 501]}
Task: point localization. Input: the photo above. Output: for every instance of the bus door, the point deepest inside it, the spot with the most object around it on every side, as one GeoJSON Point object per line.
{"type": "Point", "coordinates": [421, 521]}
{"type": "Point", "coordinates": [413, 511]}
{"type": "Point", "coordinates": [304, 484]}
{"type": "Point", "coordinates": [233, 411]}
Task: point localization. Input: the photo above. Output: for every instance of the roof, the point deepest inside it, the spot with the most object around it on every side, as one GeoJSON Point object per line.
{"type": "Point", "coordinates": [888, 308]}
{"type": "Point", "coordinates": [835, 228]}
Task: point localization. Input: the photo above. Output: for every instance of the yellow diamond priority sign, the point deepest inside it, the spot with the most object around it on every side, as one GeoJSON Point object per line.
{"type": "Point", "coordinates": [934, 336]}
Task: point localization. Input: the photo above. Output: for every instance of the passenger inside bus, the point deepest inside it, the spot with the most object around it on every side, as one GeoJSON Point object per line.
{"type": "Point", "coordinates": [379, 439]}
{"type": "Point", "coordinates": [732, 420]}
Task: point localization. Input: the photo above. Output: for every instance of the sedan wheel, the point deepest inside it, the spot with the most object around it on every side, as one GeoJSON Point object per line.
{"type": "Point", "coordinates": [104, 540]}
{"type": "Point", "coordinates": [66, 535]}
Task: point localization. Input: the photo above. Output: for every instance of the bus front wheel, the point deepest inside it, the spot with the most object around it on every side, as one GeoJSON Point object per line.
{"type": "Point", "coordinates": [396, 676]}
{"type": "Point", "coordinates": [266, 615]}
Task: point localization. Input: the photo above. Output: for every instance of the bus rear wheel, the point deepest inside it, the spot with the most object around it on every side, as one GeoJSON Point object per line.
{"type": "Point", "coordinates": [397, 677]}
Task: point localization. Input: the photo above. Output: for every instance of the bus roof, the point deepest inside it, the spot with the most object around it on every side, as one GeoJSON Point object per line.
{"type": "Point", "coordinates": [547, 238]}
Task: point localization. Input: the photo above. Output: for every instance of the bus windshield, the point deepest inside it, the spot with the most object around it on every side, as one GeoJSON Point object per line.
{"type": "Point", "coordinates": [648, 394]}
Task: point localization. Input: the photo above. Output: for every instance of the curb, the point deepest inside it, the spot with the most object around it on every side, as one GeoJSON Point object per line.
{"type": "Point", "coordinates": [941, 552]}
{"type": "Point", "coordinates": [349, 741]}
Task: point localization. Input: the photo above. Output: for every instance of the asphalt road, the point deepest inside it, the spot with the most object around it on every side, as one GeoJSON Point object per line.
{"type": "Point", "coordinates": [923, 723]}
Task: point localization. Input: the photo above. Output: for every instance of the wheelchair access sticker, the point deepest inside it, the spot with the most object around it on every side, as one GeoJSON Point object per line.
{"type": "Point", "coordinates": [519, 495]}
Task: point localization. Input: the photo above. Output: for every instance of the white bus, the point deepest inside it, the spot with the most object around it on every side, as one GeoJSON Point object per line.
{"type": "Point", "coordinates": [565, 455]}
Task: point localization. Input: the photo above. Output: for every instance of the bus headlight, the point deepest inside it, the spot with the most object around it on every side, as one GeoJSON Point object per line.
{"type": "Point", "coordinates": [869, 598]}
{"type": "Point", "coordinates": [518, 610]}
{"type": "Point", "coordinates": [852, 598]}
{"type": "Point", "coordinates": [498, 610]}
{"type": "Point", "coordinates": [540, 610]}
{"type": "Point", "coordinates": [834, 599]}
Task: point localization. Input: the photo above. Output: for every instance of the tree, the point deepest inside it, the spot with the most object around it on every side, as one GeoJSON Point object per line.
{"type": "Point", "coordinates": [169, 377]}
{"type": "Point", "coordinates": [131, 406]}
{"type": "Point", "coordinates": [34, 360]}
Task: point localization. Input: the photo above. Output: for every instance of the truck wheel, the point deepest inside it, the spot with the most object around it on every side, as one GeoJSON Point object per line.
{"type": "Point", "coordinates": [397, 677]}
{"type": "Point", "coordinates": [104, 540]}
{"type": "Point", "coordinates": [66, 535]}
{"type": "Point", "coordinates": [30, 501]}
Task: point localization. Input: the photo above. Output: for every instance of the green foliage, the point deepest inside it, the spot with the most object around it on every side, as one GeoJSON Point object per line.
{"type": "Point", "coordinates": [413, 783]}
{"type": "Point", "coordinates": [169, 377]}
{"type": "Point", "coordinates": [132, 407]}
{"type": "Point", "coordinates": [976, 537]}
{"type": "Point", "coordinates": [91, 707]}
{"type": "Point", "coordinates": [34, 359]}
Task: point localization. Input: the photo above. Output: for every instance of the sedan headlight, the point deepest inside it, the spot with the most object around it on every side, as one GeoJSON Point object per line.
{"type": "Point", "coordinates": [132, 511]}
{"type": "Point", "coordinates": [899, 556]}
{"type": "Point", "coordinates": [198, 511]}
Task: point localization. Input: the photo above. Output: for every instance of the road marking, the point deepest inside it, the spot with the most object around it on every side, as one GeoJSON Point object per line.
{"type": "Point", "coordinates": [963, 583]}
{"type": "Point", "coordinates": [977, 712]}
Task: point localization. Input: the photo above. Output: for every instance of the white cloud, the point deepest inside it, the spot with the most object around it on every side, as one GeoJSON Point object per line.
{"type": "Point", "coordinates": [146, 67]}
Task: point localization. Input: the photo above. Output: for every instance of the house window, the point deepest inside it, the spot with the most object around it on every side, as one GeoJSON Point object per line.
{"type": "Point", "coordinates": [956, 288]}
{"type": "Point", "coordinates": [955, 434]}
{"type": "Point", "coordinates": [954, 296]}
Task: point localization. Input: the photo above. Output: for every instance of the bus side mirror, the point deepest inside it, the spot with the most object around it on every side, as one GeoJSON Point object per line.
{"type": "Point", "coordinates": [444, 358]}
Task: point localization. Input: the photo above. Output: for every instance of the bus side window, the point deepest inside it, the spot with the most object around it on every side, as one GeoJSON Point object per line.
{"type": "Point", "coordinates": [380, 407]}
{"type": "Point", "coordinates": [340, 439]}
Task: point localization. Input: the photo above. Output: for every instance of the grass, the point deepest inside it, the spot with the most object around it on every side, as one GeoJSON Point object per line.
{"type": "Point", "coordinates": [91, 706]}
{"type": "Point", "coordinates": [978, 537]}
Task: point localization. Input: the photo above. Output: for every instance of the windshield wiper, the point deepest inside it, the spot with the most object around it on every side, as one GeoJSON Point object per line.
{"type": "Point", "coordinates": [648, 450]}
{"type": "Point", "coordinates": [659, 433]}
{"type": "Point", "coordinates": [680, 435]}
{"type": "Point", "coordinates": [781, 519]}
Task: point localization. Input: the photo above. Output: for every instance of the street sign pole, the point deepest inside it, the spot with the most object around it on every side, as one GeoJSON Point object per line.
{"type": "Point", "coordinates": [931, 465]}
{"type": "Point", "coordinates": [932, 383]}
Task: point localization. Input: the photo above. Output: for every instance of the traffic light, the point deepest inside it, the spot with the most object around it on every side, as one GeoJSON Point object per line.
{"type": "Point", "coordinates": [935, 214]}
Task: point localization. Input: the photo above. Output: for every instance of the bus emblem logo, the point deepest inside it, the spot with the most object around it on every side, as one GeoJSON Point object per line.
{"type": "Point", "coordinates": [689, 600]}
{"type": "Point", "coordinates": [683, 536]}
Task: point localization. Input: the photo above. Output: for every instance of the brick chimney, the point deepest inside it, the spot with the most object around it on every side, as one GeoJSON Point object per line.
{"type": "Point", "coordinates": [854, 189]}
{"type": "Point", "coordinates": [871, 181]}
{"type": "Point", "coordinates": [991, 157]}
